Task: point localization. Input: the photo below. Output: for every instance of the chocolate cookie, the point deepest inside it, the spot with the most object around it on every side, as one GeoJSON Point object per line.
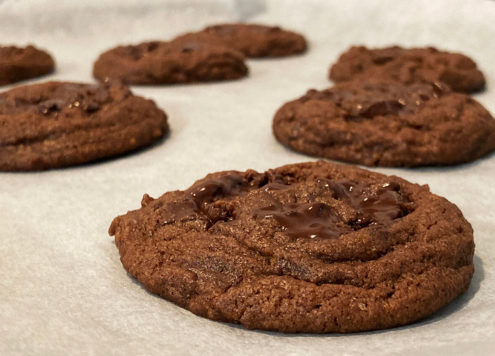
{"type": "Point", "coordinates": [387, 124]}
{"type": "Point", "coordinates": [252, 40]}
{"type": "Point", "coordinates": [310, 247]}
{"type": "Point", "coordinates": [59, 124]}
{"type": "Point", "coordinates": [18, 63]}
{"type": "Point", "coordinates": [415, 65]}
{"type": "Point", "coordinates": [184, 61]}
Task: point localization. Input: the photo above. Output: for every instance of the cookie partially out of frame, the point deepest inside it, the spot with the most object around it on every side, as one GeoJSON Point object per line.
{"type": "Point", "coordinates": [58, 124]}
{"type": "Point", "coordinates": [252, 39]}
{"type": "Point", "coordinates": [19, 63]}
{"type": "Point", "coordinates": [409, 65]}
{"type": "Point", "coordinates": [309, 247]}
{"type": "Point", "coordinates": [185, 61]}
{"type": "Point", "coordinates": [387, 124]}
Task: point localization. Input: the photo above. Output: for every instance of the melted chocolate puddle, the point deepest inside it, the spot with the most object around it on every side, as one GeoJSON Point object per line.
{"type": "Point", "coordinates": [199, 199]}
{"type": "Point", "coordinates": [206, 192]}
{"type": "Point", "coordinates": [318, 220]}
{"type": "Point", "coordinates": [301, 220]}
{"type": "Point", "coordinates": [309, 220]}
{"type": "Point", "coordinates": [382, 207]}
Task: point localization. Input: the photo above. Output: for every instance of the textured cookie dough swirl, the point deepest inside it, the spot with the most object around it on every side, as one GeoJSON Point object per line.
{"type": "Point", "coordinates": [310, 247]}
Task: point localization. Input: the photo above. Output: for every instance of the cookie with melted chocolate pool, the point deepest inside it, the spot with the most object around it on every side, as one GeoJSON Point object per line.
{"type": "Point", "coordinates": [379, 123]}
{"type": "Point", "coordinates": [58, 124]}
{"type": "Point", "coordinates": [309, 247]}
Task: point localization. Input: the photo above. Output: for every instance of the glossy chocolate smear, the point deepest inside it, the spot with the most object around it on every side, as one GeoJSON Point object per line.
{"type": "Point", "coordinates": [311, 220]}
{"type": "Point", "coordinates": [318, 220]}
{"type": "Point", "coordinates": [210, 189]}
{"type": "Point", "coordinates": [200, 198]}
{"type": "Point", "coordinates": [183, 211]}
{"type": "Point", "coordinates": [274, 186]}
{"type": "Point", "coordinates": [381, 207]}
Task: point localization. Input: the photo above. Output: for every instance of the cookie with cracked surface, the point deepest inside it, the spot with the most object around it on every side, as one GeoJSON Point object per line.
{"type": "Point", "coordinates": [310, 247]}
{"type": "Point", "coordinates": [253, 40]}
{"type": "Point", "coordinates": [413, 65]}
{"type": "Point", "coordinates": [179, 61]}
{"type": "Point", "coordinates": [19, 63]}
{"type": "Point", "coordinates": [58, 124]}
{"type": "Point", "coordinates": [387, 124]}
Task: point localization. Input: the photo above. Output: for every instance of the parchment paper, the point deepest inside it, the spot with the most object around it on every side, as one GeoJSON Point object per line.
{"type": "Point", "coordinates": [62, 287]}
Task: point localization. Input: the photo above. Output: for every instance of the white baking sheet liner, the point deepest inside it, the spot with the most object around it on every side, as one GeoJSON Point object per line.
{"type": "Point", "coordinates": [62, 287]}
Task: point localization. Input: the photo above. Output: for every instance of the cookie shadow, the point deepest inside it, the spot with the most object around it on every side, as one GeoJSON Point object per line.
{"type": "Point", "coordinates": [451, 168]}
{"type": "Point", "coordinates": [195, 85]}
{"type": "Point", "coordinates": [390, 170]}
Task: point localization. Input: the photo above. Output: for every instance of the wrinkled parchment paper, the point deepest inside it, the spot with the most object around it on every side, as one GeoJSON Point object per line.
{"type": "Point", "coordinates": [62, 287]}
